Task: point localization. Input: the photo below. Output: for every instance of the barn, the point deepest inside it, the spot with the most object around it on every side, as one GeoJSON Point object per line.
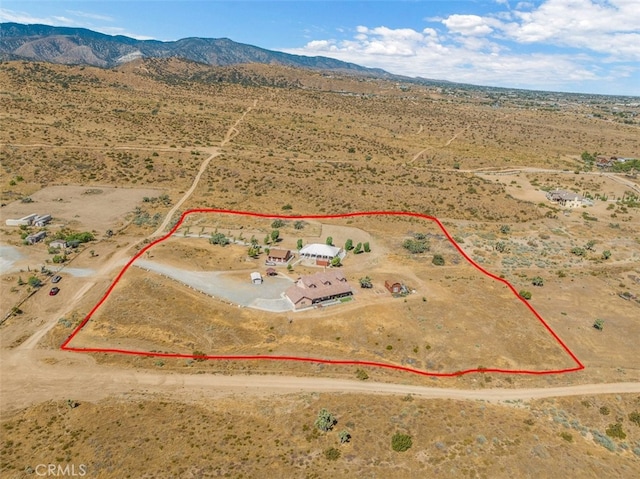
{"type": "Point", "coordinates": [321, 254]}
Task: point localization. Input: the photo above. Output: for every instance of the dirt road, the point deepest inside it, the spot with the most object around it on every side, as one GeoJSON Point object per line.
{"type": "Point", "coordinates": [36, 376]}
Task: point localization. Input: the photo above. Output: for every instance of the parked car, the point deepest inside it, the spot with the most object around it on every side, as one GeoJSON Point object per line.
{"type": "Point", "coordinates": [54, 291]}
{"type": "Point", "coordinates": [270, 263]}
{"type": "Point", "coordinates": [56, 278]}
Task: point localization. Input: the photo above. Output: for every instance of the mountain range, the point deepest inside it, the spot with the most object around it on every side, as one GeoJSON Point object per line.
{"type": "Point", "coordinates": [80, 46]}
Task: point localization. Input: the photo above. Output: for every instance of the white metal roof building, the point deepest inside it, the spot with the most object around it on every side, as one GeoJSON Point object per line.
{"type": "Point", "coordinates": [319, 251]}
{"type": "Point", "coordinates": [256, 278]}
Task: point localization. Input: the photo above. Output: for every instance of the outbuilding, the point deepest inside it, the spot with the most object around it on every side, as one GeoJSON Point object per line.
{"type": "Point", "coordinates": [279, 256]}
{"type": "Point", "coordinates": [394, 287]}
{"type": "Point", "coordinates": [256, 278]}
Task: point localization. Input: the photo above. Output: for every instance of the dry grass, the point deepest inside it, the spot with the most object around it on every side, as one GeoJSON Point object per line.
{"type": "Point", "coordinates": [248, 436]}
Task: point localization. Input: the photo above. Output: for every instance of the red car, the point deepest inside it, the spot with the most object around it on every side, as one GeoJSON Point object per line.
{"type": "Point", "coordinates": [54, 291]}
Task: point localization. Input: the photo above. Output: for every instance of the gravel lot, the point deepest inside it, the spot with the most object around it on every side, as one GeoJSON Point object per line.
{"type": "Point", "coordinates": [266, 296]}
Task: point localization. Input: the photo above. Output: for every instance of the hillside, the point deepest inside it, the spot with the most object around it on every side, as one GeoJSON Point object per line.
{"type": "Point", "coordinates": [79, 46]}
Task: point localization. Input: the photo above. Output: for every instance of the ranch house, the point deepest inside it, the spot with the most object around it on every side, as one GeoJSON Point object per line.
{"type": "Point", "coordinates": [319, 287]}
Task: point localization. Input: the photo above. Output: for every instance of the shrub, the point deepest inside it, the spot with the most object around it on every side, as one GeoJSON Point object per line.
{"type": "Point", "coordinates": [401, 442]}
{"type": "Point", "coordinates": [416, 246]}
{"type": "Point", "coordinates": [34, 282]}
{"type": "Point", "coordinates": [332, 454]}
{"type": "Point", "coordinates": [367, 247]}
{"type": "Point", "coordinates": [505, 229]}
{"type": "Point", "coordinates": [525, 294]}
{"type": "Point", "coordinates": [615, 430]}
{"type": "Point", "coordinates": [606, 254]}
{"type": "Point", "coordinates": [348, 245]}
{"type": "Point", "coordinates": [329, 241]}
{"type": "Point", "coordinates": [218, 238]}
{"type": "Point", "coordinates": [325, 420]}
{"type": "Point", "coordinates": [344, 436]}
{"type": "Point", "coordinates": [566, 436]}
{"type": "Point", "coordinates": [634, 417]}
{"type": "Point", "coordinates": [438, 260]}
{"type": "Point", "coordinates": [199, 355]}
{"type": "Point", "coordinates": [299, 225]}
{"type": "Point", "coordinates": [362, 375]}
{"type": "Point", "coordinates": [277, 223]}
{"type": "Point", "coordinates": [537, 281]}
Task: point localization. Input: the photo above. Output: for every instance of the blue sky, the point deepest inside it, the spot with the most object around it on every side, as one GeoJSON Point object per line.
{"type": "Point", "coordinates": [590, 46]}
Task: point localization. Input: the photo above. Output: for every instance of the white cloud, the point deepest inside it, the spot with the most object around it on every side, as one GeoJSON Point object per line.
{"type": "Point", "coordinates": [484, 50]}
{"type": "Point", "coordinates": [467, 24]}
{"type": "Point", "coordinates": [26, 18]}
{"type": "Point", "coordinates": [92, 16]}
{"type": "Point", "coordinates": [611, 27]}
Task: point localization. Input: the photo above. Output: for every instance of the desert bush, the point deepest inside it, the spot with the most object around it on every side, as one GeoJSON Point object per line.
{"type": "Point", "coordinates": [344, 436]}
{"type": "Point", "coordinates": [416, 246]}
{"type": "Point", "coordinates": [362, 375]}
{"type": "Point", "coordinates": [325, 420]}
{"type": "Point", "coordinates": [634, 417]}
{"type": "Point", "coordinates": [537, 281]}
{"type": "Point", "coordinates": [525, 294]}
{"type": "Point", "coordinates": [218, 238]}
{"type": "Point", "coordinates": [401, 442]}
{"type": "Point", "coordinates": [332, 454]}
{"type": "Point", "coordinates": [615, 431]}
{"type": "Point", "coordinates": [277, 223]}
{"type": "Point", "coordinates": [438, 260]}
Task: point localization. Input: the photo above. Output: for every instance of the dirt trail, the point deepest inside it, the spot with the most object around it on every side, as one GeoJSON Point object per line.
{"type": "Point", "coordinates": [231, 133]}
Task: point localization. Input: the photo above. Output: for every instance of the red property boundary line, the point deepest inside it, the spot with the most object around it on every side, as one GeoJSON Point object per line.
{"type": "Point", "coordinates": [65, 346]}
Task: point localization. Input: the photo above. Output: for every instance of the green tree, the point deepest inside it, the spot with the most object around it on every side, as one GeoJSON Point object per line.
{"type": "Point", "coordinates": [329, 241]}
{"type": "Point", "coordinates": [299, 245]}
{"type": "Point", "coordinates": [590, 245]}
{"type": "Point", "coordinates": [367, 248]}
{"type": "Point", "coordinates": [253, 252]}
{"type": "Point", "coordinates": [606, 254]}
{"type": "Point", "coordinates": [325, 420]}
{"type": "Point", "coordinates": [275, 234]}
{"type": "Point", "coordinates": [59, 259]}
{"type": "Point", "coordinates": [401, 442]}
{"type": "Point", "coordinates": [34, 282]}
{"type": "Point", "coordinates": [358, 249]}
{"type": "Point", "coordinates": [537, 281]}
{"type": "Point", "coordinates": [366, 282]}
{"type": "Point", "coordinates": [218, 238]}
{"type": "Point", "coordinates": [438, 260]}
{"type": "Point", "coordinates": [348, 245]}
{"type": "Point", "coordinates": [599, 324]}
{"type": "Point", "coordinates": [587, 157]}
{"type": "Point", "coordinates": [335, 262]}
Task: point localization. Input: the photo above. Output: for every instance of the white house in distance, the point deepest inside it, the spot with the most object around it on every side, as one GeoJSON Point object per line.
{"type": "Point", "coordinates": [565, 198]}
{"type": "Point", "coordinates": [322, 254]}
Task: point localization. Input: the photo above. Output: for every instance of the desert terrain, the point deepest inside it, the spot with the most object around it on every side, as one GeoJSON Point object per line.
{"type": "Point", "coordinates": [116, 157]}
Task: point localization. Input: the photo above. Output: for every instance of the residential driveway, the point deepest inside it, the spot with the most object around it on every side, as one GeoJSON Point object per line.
{"type": "Point", "coordinates": [267, 296]}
